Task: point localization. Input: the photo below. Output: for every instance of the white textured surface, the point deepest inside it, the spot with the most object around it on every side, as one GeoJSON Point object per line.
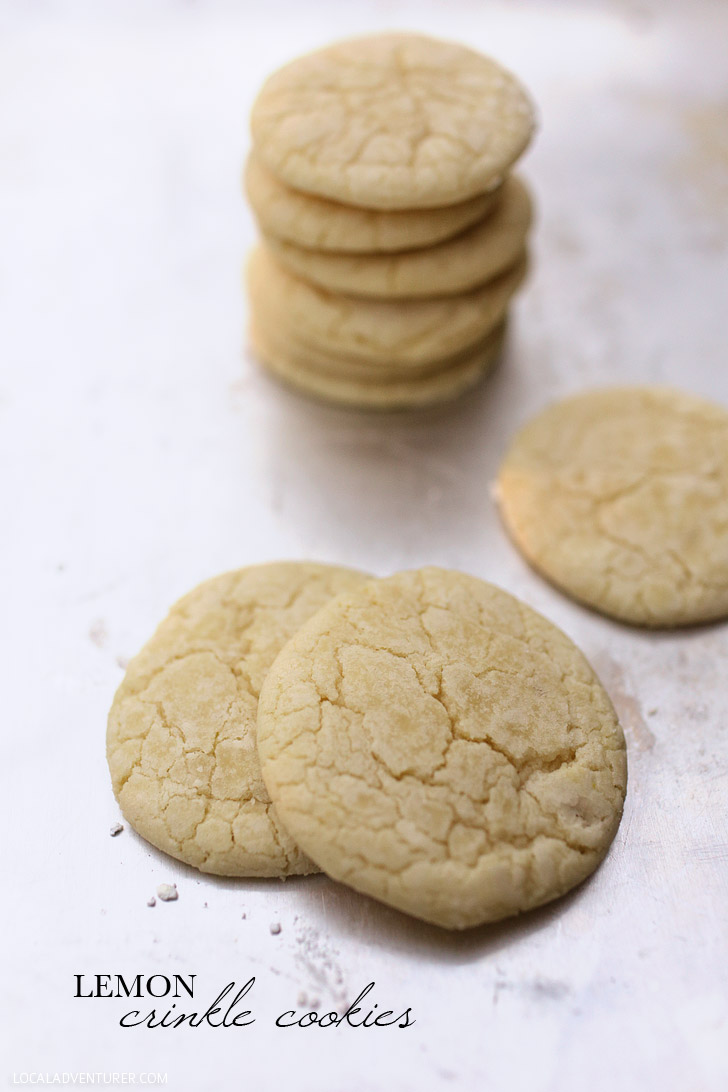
{"type": "Point", "coordinates": [140, 455]}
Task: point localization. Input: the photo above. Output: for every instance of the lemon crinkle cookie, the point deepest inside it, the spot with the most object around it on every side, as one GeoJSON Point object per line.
{"type": "Point", "coordinates": [473, 257]}
{"type": "Point", "coordinates": [306, 220]}
{"type": "Point", "coordinates": [620, 497]}
{"type": "Point", "coordinates": [432, 742]}
{"type": "Point", "coordinates": [398, 333]}
{"type": "Point", "coordinates": [392, 121]}
{"type": "Point", "coordinates": [301, 369]}
{"type": "Point", "coordinates": [181, 733]}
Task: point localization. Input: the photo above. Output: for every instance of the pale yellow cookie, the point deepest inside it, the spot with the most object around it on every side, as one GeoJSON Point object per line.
{"type": "Point", "coordinates": [432, 742]}
{"type": "Point", "coordinates": [181, 733]}
{"type": "Point", "coordinates": [477, 255]}
{"type": "Point", "coordinates": [317, 223]}
{"type": "Point", "coordinates": [392, 121]}
{"type": "Point", "coordinates": [620, 497]}
{"type": "Point", "coordinates": [401, 332]}
{"type": "Point", "coordinates": [265, 318]}
{"type": "Point", "coordinates": [378, 372]}
{"type": "Point", "coordinates": [300, 368]}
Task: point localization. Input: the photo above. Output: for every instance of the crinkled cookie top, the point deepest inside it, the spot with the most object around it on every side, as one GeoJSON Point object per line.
{"type": "Point", "coordinates": [620, 497]}
{"type": "Point", "coordinates": [181, 734]}
{"type": "Point", "coordinates": [392, 121]}
{"type": "Point", "coordinates": [433, 742]}
{"type": "Point", "coordinates": [320, 224]}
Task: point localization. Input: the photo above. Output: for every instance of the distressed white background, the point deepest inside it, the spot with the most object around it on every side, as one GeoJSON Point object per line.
{"type": "Point", "coordinates": [143, 452]}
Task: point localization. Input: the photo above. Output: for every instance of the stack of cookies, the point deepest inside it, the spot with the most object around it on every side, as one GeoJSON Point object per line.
{"type": "Point", "coordinates": [393, 234]}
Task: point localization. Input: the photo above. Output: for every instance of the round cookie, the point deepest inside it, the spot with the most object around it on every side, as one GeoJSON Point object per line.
{"type": "Point", "coordinates": [432, 742]}
{"type": "Point", "coordinates": [181, 733]}
{"type": "Point", "coordinates": [298, 368]}
{"type": "Point", "coordinates": [392, 121]}
{"type": "Point", "coordinates": [475, 256]}
{"type": "Point", "coordinates": [397, 332]}
{"type": "Point", "coordinates": [319, 224]}
{"type": "Point", "coordinates": [265, 318]}
{"type": "Point", "coordinates": [620, 498]}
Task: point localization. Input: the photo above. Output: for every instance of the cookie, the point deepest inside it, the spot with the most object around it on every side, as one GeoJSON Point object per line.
{"type": "Point", "coordinates": [181, 732]}
{"type": "Point", "coordinates": [477, 255]}
{"type": "Point", "coordinates": [299, 368]}
{"type": "Point", "coordinates": [377, 372]}
{"type": "Point", "coordinates": [620, 498]}
{"type": "Point", "coordinates": [392, 121]}
{"type": "Point", "coordinates": [399, 332]}
{"type": "Point", "coordinates": [319, 224]}
{"type": "Point", "coordinates": [431, 741]}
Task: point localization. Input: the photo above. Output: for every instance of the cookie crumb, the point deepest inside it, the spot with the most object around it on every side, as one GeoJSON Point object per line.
{"type": "Point", "coordinates": [152, 901]}
{"type": "Point", "coordinates": [115, 828]}
{"type": "Point", "coordinates": [167, 892]}
{"type": "Point", "coordinates": [275, 928]}
{"type": "Point", "coordinates": [243, 915]}
{"type": "Point", "coordinates": [651, 712]}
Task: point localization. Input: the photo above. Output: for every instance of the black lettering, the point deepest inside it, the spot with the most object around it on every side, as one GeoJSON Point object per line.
{"type": "Point", "coordinates": [136, 986]}
{"type": "Point", "coordinates": [179, 980]}
{"type": "Point", "coordinates": [167, 985]}
{"type": "Point", "coordinates": [354, 1007]}
{"type": "Point", "coordinates": [288, 1012]}
{"type": "Point", "coordinates": [135, 1023]}
{"type": "Point", "coordinates": [78, 993]}
{"type": "Point", "coordinates": [238, 1020]}
{"type": "Point", "coordinates": [102, 983]}
{"type": "Point", "coordinates": [367, 1022]}
{"type": "Point", "coordinates": [171, 1023]}
{"type": "Point", "coordinates": [191, 1016]}
{"type": "Point", "coordinates": [214, 1007]}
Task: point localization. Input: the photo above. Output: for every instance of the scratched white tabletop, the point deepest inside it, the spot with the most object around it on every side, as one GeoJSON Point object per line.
{"type": "Point", "coordinates": [143, 451]}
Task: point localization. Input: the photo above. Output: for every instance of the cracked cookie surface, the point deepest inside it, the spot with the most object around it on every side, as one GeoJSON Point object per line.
{"type": "Point", "coordinates": [475, 256]}
{"type": "Point", "coordinates": [320, 224]}
{"type": "Point", "coordinates": [433, 742]}
{"type": "Point", "coordinates": [400, 333]}
{"type": "Point", "coordinates": [181, 732]}
{"type": "Point", "coordinates": [392, 121]}
{"type": "Point", "coordinates": [620, 498]}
